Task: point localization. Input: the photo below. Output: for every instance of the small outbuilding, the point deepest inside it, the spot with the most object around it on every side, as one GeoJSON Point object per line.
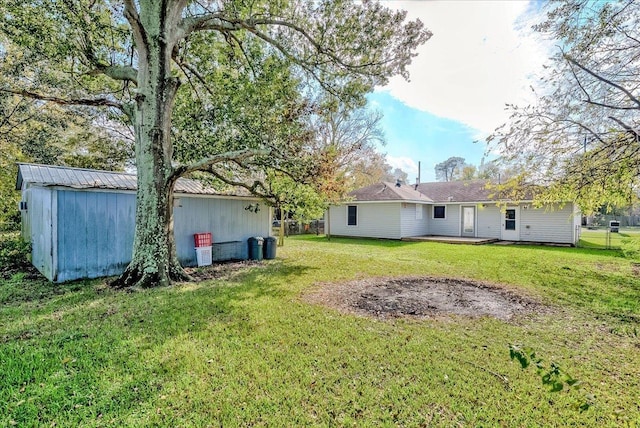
{"type": "Point", "coordinates": [467, 209]}
{"type": "Point", "coordinates": [80, 222]}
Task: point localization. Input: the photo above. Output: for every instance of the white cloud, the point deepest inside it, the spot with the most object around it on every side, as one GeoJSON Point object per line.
{"type": "Point", "coordinates": [406, 164]}
{"type": "Point", "coordinates": [479, 58]}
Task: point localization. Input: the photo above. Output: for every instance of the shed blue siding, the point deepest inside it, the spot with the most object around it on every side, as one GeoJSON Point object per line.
{"type": "Point", "coordinates": [40, 217]}
{"type": "Point", "coordinates": [226, 219]}
{"type": "Point", "coordinates": [96, 229]}
{"type": "Point", "coordinates": [95, 233]}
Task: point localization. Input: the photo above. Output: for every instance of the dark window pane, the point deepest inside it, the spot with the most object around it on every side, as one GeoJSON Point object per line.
{"type": "Point", "coordinates": [438, 211]}
{"type": "Point", "coordinates": [352, 215]}
{"type": "Point", "coordinates": [510, 225]}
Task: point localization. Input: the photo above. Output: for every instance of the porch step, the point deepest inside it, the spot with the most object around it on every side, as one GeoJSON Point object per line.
{"type": "Point", "coordinates": [451, 239]}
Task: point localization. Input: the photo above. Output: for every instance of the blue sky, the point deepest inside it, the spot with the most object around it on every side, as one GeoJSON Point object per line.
{"type": "Point", "coordinates": [423, 137]}
{"type": "Point", "coordinates": [483, 54]}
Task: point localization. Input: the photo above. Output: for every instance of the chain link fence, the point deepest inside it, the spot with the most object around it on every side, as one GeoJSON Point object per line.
{"type": "Point", "coordinates": [603, 237]}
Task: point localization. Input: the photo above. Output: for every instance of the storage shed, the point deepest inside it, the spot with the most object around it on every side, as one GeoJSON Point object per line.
{"type": "Point", "coordinates": [80, 222]}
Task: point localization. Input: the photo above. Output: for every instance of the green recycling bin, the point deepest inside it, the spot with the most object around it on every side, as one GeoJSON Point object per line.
{"type": "Point", "coordinates": [270, 244]}
{"type": "Point", "coordinates": [255, 248]}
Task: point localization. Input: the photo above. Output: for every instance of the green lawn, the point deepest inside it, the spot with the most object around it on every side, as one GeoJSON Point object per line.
{"type": "Point", "coordinates": [249, 351]}
{"type": "Point", "coordinates": [603, 239]}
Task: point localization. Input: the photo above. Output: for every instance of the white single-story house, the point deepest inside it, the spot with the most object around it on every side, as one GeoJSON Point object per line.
{"type": "Point", "coordinates": [452, 209]}
{"type": "Point", "coordinates": [80, 222]}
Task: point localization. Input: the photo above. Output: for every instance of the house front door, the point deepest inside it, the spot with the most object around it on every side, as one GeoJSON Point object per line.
{"type": "Point", "coordinates": [469, 221]}
{"type": "Point", "coordinates": [511, 224]}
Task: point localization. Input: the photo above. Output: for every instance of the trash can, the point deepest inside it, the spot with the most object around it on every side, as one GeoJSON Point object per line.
{"type": "Point", "coordinates": [614, 226]}
{"type": "Point", "coordinates": [270, 244]}
{"type": "Point", "coordinates": [255, 248]}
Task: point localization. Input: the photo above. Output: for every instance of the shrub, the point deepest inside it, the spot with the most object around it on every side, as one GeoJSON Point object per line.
{"type": "Point", "coordinates": [631, 248]}
{"type": "Point", "coordinates": [14, 254]}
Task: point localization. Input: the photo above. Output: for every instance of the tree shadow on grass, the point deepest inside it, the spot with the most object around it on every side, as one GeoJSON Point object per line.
{"type": "Point", "coordinates": [23, 288]}
{"type": "Point", "coordinates": [109, 353]}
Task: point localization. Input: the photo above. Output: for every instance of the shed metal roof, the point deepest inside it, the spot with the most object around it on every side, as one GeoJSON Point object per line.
{"type": "Point", "coordinates": [80, 178]}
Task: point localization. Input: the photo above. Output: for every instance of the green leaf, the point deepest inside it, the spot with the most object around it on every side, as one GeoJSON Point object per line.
{"type": "Point", "coordinates": [557, 386]}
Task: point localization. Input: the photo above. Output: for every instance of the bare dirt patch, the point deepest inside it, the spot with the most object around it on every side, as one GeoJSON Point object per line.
{"type": "Point", "coordinates": [423, 297]}
{"type": "Point", "coordinates": [222, 270]}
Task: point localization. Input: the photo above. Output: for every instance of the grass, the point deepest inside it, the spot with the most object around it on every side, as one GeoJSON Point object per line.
{"type": "Point", "coordinates": [601, 238]}
{"type": "Point", "coordinates": [249, 351]}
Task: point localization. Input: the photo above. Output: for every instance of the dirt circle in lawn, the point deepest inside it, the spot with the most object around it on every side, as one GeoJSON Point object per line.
{"type": "Point", "coordinates": [424, 297]}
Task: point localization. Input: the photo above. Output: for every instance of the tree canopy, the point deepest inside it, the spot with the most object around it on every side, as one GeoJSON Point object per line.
{"type": "Point", "coordinates": [217, 86]}
{"type": "Point", "coordinates": [32, 131]}
{"type": "Point", "coordinates": [450, 169]}
{"type": "Point", "coordinates": [581, 138]}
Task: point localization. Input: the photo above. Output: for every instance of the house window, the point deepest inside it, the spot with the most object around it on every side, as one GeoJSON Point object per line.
{"type": "Point", "coordinates": [418, 212]}
{"type": "Point", "coordinates": [352, 215]}
{"type": "Point", "coordinates": [510, 219]}
{"type": "Point", "coordinates": [439, 211]}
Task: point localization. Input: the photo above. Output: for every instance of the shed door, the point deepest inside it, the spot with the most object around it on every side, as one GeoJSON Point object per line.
{"type": "Point", "coordinates": [510, 224]}
{"type": "Point", "coordinates": [469, 221]}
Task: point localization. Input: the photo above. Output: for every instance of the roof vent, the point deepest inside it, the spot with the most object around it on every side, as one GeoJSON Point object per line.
{"type": "Point", "coordinates": [398, 182]}
{"type": "Point", "coordinates": [450, 198]}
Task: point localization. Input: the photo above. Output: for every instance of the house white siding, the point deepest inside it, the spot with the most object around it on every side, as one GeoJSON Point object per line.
{"type": "Point", "coordinates": [375, 220]}
{"type": "Point", "coordinates": [448, 226]}
{"type": "Point", "coordinates": [412, 226]}
{"type": "Point", "coordinates": [489, 220]}
{"type": "Point", "coordinates": [547, 224]}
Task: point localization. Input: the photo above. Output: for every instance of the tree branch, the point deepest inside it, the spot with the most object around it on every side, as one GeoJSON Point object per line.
{"type": "Point", "coordinates": [186, 66]}
{"type": "Point", "coordinates": [139, 34]}
{"type": "Point", "coordinates": [252, 188]}
{"type": "Point", "coordinates": [116, 72]}
{"type": "Point", "coordinates": [93, 102]}
{"type": "Point", "coordinates": [602, 79]}
{"type": "Point", "coordinates": [203, 164]}
{"type": "Point", "coordinates": [213, 21]}
{"type": "Point", "coordinates": [626, 127]}
{"type": "Point", "coordinates": [217, 22]}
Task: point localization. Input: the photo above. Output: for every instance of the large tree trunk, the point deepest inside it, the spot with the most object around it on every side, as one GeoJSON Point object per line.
{"type": "Point", "coordinates": [154, 261]}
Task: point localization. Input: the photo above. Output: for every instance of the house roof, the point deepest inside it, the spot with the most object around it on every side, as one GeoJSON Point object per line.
{"type": "Point", "coordinates": [80, 178]}
{"type": "Point", "coordinates": [439, 192]}
{"type": "Point", "coordinates": [458, 191]}
{"type": "Point", "coordinates": [386, 191]}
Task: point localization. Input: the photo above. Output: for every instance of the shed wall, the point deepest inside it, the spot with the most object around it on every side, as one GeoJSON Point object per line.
{"type": "Point", "coordinates": [376, 220]}
{"type": "Point", "coordinates": [448, 226]}
{"type": "Point", "coordinates": [95, 230]}
{"type": "Point", "coordinates": [226, 219]}
{"type": "Point", "coordinates": [547, 225]}
{"type": "Point", "coordinates": [410, 225]}
{"type": "Point", "coordinates": [40, 215]}
{"type": "Point", "coordinates": [95, 233]}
